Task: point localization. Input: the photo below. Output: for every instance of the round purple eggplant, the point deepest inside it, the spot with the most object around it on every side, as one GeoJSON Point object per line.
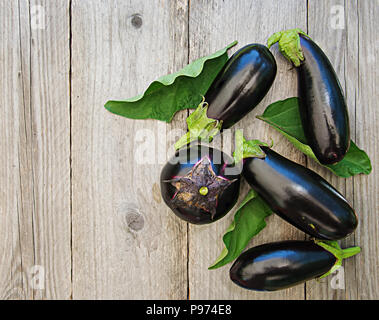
{"type": "Point", "coordinates": [300, 196]}
{"type": "Point", "coordinates": [241, 84]}
{"type": "Point", "coordinates": [200, 184]}
{"type": "Point", "coordinates": [280, 265]}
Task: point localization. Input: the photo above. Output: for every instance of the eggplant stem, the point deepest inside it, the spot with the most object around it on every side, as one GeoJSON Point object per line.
{"type": "Point", "coordinates": [340, 254]}
{"type": "Point", "coordinates": [349, 252]}
{"type": "Point", "coordinates": [200, 127]}
{"type": "Point", "coordinates": [289, 44]}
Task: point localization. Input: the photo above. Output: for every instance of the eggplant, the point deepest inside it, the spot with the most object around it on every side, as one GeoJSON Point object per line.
{"type": "Point", "coordinates": [241, 84]}
{"type": "Point", "coordinates": [200, 184]}
{"type": "Point", "coordinates": [280, 265]}
{"type": "Point", "coordinates": [323, 108]}
{"type": "Point", "coordinates": [300, 196]}
{"type": "Point", "coordinates": [322, 105]}
{"type": "Point", "coordinates": [237, 89]}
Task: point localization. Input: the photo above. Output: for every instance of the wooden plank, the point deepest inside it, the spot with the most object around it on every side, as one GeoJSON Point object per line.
{"type": "Point", "coordinates": [350, 45]}
{"type": "Point", "coordinates": [332, 25]}
{"type": "Point", "coordinates": [36, 149]}
{"type": "Point", "coordinates": [12, 279]}
{"type": "Point", "coordinates": [126, 242]}
{"type": "Point", "coordinates": [366, 188]}
{"type": "Point", "coordinates": [50, 65]}
{"type": "Point", "coordinates": [212, 25]}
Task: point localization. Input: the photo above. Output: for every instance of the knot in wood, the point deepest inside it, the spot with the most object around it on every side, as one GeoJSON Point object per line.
{"type": "Point", "coordinates": [136, 21]}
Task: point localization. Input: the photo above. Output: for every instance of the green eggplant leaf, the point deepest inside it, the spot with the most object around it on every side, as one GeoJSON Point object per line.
{"type": "Point", "coordinates": [174, 92]}
{"type": "Point", "coordinates": [248, 221]}
{"type": "Point", "coordinates": [284, 117]}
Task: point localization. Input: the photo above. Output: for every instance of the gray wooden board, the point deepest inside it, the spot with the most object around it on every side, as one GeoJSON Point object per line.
{"type": "Point", "coordinates": [80, 186]}
{"type": "Point", "coordinates": [336, 37]}
{"type": "Point", "coordinates": [126, 242]}
{"type": "Point", "coordinates": [343, 29]}
{"type": "Point", "coordinates": [35, 150]}
{"type": "Point", "coordinates": [366, 188]}
{"type": "Point", "coordinates": [213, 23]}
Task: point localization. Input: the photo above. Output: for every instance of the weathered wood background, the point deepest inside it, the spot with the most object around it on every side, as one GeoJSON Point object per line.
{"type": "Point", "coordinates": [74, 201]}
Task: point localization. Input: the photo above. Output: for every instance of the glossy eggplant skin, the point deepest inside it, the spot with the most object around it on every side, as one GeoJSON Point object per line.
{"type": "Point", "coordinates": [241, 84]}
{"type": "Point", "coordinates": [280, 265]}
{"type": "Point", "coordinates": [300, 196]}
{"type": "Point", "coordinates": [181, 164]}
{"type": "Point", "coordinates": [323, 108]}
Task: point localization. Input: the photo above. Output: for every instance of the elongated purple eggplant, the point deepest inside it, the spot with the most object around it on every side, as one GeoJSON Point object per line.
{"type": "Point", "coordinates": [199, 184]}
{"type": "Point", "coordinates": [238, 88]}
{"type": "Point", "coordinates": [280, 265]}
{"type": "Point", "coordinates": [241, 84]}
{"type": "Point", "coordinates": [323, 108]}
{"type": "Point", "coordinates": [322, 105]}
{"type": "Point", "coordinates": [300, 196]}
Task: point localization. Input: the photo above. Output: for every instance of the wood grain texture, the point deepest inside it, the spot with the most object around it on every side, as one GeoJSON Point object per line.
{"type": "Point", "coordinates": [12, 279]}
{"type": "Point", "coordinates": [35, 148]}
{"type": "Point", "coordinates": [366, 188]}
{"type": "Point", "coordinates": [80, 189]}
{"type": "Point", "coordinates": [126, 242]}
{"type": "Point", "coordinates": [336, 38]}
{"type": "Point", "coordinates": [212, 24]}
{"type": "Point", "coordinates": [343, 41]}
